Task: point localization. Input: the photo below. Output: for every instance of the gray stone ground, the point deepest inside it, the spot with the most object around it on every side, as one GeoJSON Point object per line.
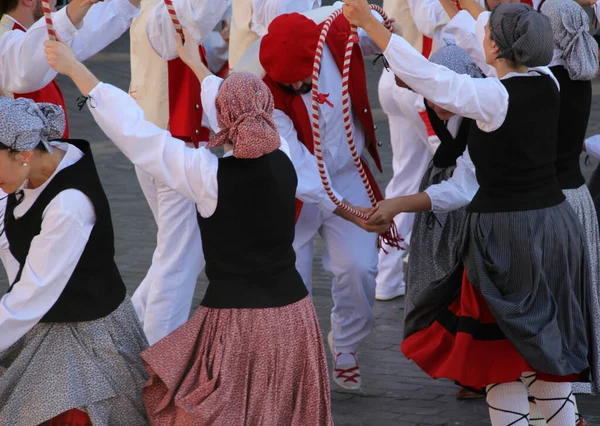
{"type": "Point", "coordinates": [395, 391]}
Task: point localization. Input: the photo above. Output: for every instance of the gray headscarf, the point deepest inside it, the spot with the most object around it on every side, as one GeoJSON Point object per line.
{"type": "Point", "coordinates": [522, 34]}
{"type": "Point", "coordinates": [454, 58]}
{"type": "Point", "coordinates": [24, 124]}
{"type": "Point", "coordinates": [572, 40]}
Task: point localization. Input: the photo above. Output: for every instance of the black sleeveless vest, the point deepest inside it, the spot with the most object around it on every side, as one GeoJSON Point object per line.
{"type": "Point", "coordinates": [450, 147]}
{"type": "Point", "coordinates": [516, 164]}
{"type": "Point", "coordinates": [247, 242]}
{"type": "Point", "coordinates": [95, 288]}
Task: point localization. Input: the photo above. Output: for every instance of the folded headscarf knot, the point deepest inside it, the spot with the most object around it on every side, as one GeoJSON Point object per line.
{"type": "Point", "coordinates": [27, 124]}
{"type": "Point", "coordinates": [245, 115]}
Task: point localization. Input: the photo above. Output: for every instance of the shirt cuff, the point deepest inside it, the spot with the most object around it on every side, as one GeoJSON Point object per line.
{"type": "Point", "coordinates": [480, 24]}
{"type": "Point", "coordinates": [592, 146]}
{"type": "Point", "coordinates": [208, 94]}
{"type": "Point", "coordinates": [95, 91]}
{"type": "Point", "coordinates": [63, 25]}
{"type": "Point", "coordinates": [431, 193]}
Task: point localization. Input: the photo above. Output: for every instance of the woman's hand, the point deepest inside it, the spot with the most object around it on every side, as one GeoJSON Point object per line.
{"type": "Point", "coordinates": [188, 49]}
{"type": "Point", "coordinates": [61, 57]}
{"type": "Point", "coordinates": [384, 213]}
{"type": "Point", "coordinates": [358, 12]}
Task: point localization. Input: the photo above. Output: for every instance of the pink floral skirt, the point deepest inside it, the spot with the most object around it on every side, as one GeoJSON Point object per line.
{"type": "Point", "coordinates": [262, 367]}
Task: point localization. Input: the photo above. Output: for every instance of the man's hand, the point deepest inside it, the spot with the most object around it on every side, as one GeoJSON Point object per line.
{"type": "Point", "coordinates": [225, 31]}
{"type": "Point", "coordinates": [358, 12]}
{"type": "Point", "coordinates": [188, 49]}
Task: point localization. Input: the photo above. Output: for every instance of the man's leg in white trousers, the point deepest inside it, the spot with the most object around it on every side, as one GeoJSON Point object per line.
{"type": "Point", "coordinates": [307, 226]}
{"type": "Point", "coordinates": [140, 296]}
{"type": "Point", "coordinates": [176, 264]}
{"type": "Point", "coordinates": [411, 155]}
{"type": "Point", "coordinates": [351, 256]}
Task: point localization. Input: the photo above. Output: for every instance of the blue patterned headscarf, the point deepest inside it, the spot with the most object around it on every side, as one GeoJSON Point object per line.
{"type": "Point", "coordinates": [454, 58]}
{"type": "Point", "coordinates": [25, 124]}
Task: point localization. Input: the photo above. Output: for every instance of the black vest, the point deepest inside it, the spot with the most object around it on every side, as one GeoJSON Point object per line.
{"type": "Point", "coordinates": [247, 242]}
{"type": "Point", "coordinates": [575, 107]}
{"type": "Point", "coordinates": [95, 288]}
{"type": "Point", "coordinates": [450, 147]}
{"type": "Point", "coordinates": [516, 164]}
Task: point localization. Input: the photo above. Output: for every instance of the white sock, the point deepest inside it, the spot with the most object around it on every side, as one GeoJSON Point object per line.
{"type": "Point", "coordinates": [508, 404]}
{"type": "Point", "coordinates": [555, 401]}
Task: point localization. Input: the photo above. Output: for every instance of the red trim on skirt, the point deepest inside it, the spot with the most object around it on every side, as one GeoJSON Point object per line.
{"type": "Point", "coordinates": [464, 344]}
{"type": "Point", "coordinates": [72, 417]}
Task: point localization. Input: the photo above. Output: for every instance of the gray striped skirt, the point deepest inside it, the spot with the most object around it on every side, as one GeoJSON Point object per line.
{"type": "Point", "coordinates": [435, 241]}
{"type": "Point", "coordinates": [532, 269]}
{"type": "Point", "coordinates": [581, 201]}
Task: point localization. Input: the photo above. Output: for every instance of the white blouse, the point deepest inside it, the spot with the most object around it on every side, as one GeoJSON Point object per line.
{"type": "Point", "coordinates": [592, 146]}
{"type": "Point", "coordinates": [198, 16]}
{"type": "Point", "coordinates": [67, 223]}
{"type": "Point", "coordinates": [23, 64]}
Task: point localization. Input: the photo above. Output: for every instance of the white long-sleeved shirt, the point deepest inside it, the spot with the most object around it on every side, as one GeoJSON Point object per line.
{"type": "Point", "coordinates": [430, 18]}
{"type": "Point", "coordinates": [592, 146]}
{"type": "Point", "coordinates": [217, 49]}
{"type": "Point", "coordinates": [198, 16]}
{"type": "Point", "coordinates": [67, 223]}
{"type": "Point", "coordinates": [482, 99]}
{"type": "Point", "coordinates": [23, 64]}
{"type": "Point", "coordinates": [11, 266]}
{"type": "Point", "coordinates": [190, 172]}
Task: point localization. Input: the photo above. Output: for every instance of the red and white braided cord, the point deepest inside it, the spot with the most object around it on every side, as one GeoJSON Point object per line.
{"type": "Point", "coordinates": [174, 18]}
{"type": "Point", "coordinates": [48, 18]}
{"type": "Point", "coordinates": [391, 237]}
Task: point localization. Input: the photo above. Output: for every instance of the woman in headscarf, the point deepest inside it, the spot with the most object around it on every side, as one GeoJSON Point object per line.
{"type": "Point", "coordinates": [70, 340]}
{"type": "Point", "coordinates": [522, 316]}
{"type": "Point", "coordinates": [253, 351]}
{"type": "Point", "coordinates": [575, 64]}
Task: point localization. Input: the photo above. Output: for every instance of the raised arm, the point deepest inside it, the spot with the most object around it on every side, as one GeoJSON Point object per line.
{"type": "Point", "coordinates": [484, 100]}
{"type": "Point", "coordinates": [191, 172]}
{"type": "Point", "coordinates": [430, 18]}
{"type": "Point", "coordinates": [199, 16]}
{"type": "Point", "coordinates": [23, 65]}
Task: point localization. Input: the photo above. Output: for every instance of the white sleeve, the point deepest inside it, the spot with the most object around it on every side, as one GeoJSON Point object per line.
{"type": "Point", "coordinates": [310, 188]}
{"type": "Point", "coordinates": [23, 64]}
{"type": "Point", "coordinates": [104, 23]}
{"type": "Point", "coordinates": [592, 146]}
{"type": "Point", "coordinates": [188, 171]}
{"type": "Point", "coordinates": [468, 35]}
{"type": "Point", "coordinates": [459, 190]}
{"type": "Point", "coordinates": [264, 11]}
{"type": "Point", "coordinates": [198, 16]}
{"type": "Point", "coordinates": [430, 19]}
{"type": "Point", "coordinates": [482, 99]}
{"type": "Point", "coordinates": [208, 95]}
{"type": "Point", "coordinates": [54, 253]}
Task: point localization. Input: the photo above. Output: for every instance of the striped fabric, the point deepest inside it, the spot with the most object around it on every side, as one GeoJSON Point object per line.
{"type": "Point", "coordinates": [581, 202]}
{"type": "Point", "coordinates": [532, 269]}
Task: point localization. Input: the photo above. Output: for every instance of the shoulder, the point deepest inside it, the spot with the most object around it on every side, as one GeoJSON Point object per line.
{"type": "Point", "coordinates": [71, 205]}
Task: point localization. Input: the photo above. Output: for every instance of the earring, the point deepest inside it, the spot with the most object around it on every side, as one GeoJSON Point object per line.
{"type": "Point", "coordinates": [24, 164]}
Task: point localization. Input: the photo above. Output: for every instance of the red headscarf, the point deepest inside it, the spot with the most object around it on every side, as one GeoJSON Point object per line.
{"type": "Point", "coordinates": [287, 52]}
{"type": "Point", "coordinates": [244, 113]}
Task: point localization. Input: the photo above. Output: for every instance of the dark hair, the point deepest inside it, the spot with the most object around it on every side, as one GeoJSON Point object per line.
{"type": "Point", "coordinates": [7, 6]}
{"type": "Point", "coordinates": [39, 147]}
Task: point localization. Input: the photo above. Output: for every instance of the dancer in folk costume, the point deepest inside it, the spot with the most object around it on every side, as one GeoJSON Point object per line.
{"type": "Point", "coordinates": [253, 352]}
{"type": "Point", "coordinates": [169, 94]}
{"type": "Point", "coordinates": [71, 342]}
{"type": "Point", "coordinates": [523, 309]}
{"type": "Point", "coordinates": [286, 56]}
{"type": "Point", "coordinates": [251, 18]}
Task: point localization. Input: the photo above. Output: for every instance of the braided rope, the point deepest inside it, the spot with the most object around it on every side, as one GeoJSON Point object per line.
{"type": "Point", "coordinates": [391, 237]}
{"type": "Point", "coordinates": [174, 18]}
{"type": "Point", "coordinates": [48, 18]}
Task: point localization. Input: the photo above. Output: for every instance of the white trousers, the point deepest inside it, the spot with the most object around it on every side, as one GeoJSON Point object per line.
{"type": "Point", "coordinates": [351, 256]}
{"type": "Point", "coordinates": [411, 154]}
{"type": "Point", "coordinates": [164, 298]}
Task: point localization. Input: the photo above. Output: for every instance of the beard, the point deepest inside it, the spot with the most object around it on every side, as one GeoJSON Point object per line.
{"type": "Point", "coordinates": [38, 12]}
{"type": "Point", "coordinates": [304, 89]}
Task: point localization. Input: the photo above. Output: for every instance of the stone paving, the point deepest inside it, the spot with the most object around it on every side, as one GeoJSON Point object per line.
{"type": "Point", "coordinates": [395, 391]}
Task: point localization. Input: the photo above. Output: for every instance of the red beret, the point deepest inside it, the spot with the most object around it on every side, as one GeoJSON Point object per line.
{"type": "Point", "coordinates": [287, 51]}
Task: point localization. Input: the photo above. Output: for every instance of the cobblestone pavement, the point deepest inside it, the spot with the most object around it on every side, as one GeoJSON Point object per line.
{"type": "Point", "coordinates": [395, 391]}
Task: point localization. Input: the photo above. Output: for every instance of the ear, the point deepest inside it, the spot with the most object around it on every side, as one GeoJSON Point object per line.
{"type": "Point", "coordinates": [28, 3]}
{"type": "Point", "coordinates": [24, 156]}
{"type": "Point", "coordinates": [495, 50]}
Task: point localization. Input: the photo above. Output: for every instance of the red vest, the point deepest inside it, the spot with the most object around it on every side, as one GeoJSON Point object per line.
{"type": "Point", "coordinates": [185, 106]}
{"type": "Point", "coordinates": [50, 94]}
{"type": "Point", "coordinates": [293, 105]}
